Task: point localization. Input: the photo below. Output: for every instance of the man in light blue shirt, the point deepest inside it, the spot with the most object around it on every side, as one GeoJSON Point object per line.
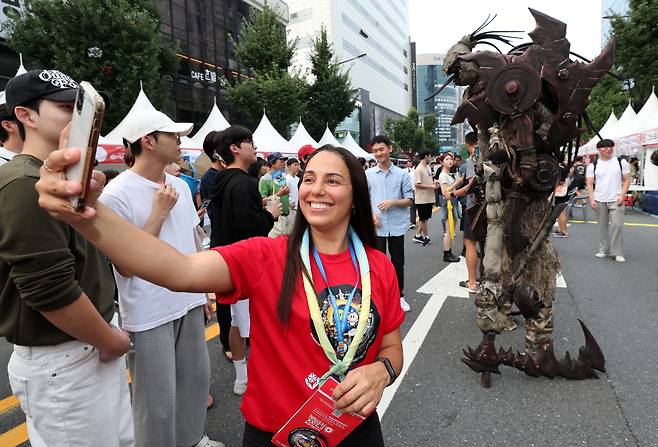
{"type": "Point", "coordinates": [391, 194]}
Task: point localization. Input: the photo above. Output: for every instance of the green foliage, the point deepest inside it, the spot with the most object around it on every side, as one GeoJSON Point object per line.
{"type": "Point", "coordinates": [329, 99]}
{"type": "Point", "coordinates": [280, 95]}
{"type": "Point", "coordinates": [262, 44]}
{"type": "Point", "coordinates": [636, 56]}
{"type": "Point", "coordinates": [636, 61]}
{"type": "Point", "coordinates": [407, 135]}
{"type": "Point", "coordinates": [607, 96]}
{"type": "Point", "coordinates": [57, 34]}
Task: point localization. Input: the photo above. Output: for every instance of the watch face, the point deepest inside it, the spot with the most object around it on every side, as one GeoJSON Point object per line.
{"type": "Point", "coordinates": [305, 437]}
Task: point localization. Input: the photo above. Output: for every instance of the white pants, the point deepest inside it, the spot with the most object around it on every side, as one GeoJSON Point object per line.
{"type": "Point", "coordinates": [240, 317]}
{"type": "Point", "coordinates": [70, 398]}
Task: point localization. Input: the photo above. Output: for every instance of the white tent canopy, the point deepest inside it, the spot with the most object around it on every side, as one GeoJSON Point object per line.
{"type": "Point", "coordinates": [141, 103]}
{"type": "Point", "coordinates": [301, 138]}
{"type": "Point", "coordinates": [647, 118]}
{"type": "Point", "coordinates": [328, 138]}
{"type": "Point", "coordinates": [215, 121]}
{"type": "Point", "coordinates": [604, 132]}
{"type": "Point", "coordinates": [267, 139]}
{"type": "Point", "coordinates": [354, 148]}
{"type": "Point", "coordinates": [21, 70]}
{"type": "Point", "coordinates": [626, 125]}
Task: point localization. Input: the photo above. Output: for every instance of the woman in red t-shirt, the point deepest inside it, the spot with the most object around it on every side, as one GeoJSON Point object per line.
{"type": "Point", "coordinates": [323, 300]}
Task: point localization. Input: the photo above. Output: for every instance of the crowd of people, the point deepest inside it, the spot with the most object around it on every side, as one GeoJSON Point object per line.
{"type": "Point", "coordinates": [313, 230]}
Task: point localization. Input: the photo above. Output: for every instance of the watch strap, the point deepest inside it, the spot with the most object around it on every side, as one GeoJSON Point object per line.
{"type": "Point", "coordinates": [389, 368]}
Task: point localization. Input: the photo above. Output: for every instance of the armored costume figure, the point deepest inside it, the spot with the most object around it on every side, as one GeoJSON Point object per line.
{"type": "Point", "coordinates": [527, 106]}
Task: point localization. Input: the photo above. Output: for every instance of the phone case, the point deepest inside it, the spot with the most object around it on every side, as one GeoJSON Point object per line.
{"type": "Point", "coordinates": [85, 129]}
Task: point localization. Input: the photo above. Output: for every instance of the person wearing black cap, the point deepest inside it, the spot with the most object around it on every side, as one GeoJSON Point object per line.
{"type": "Point", "coordinates": [57, 299]}
{"type": "Point", "coordinates": [274, 184]}
{"type": "Point", "coordinates": [10, 141]}
{"type": "Point", "coordinates": [608, 179]}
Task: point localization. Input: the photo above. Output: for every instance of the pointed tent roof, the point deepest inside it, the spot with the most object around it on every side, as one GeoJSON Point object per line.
{"type": "Point", "coordinates": [267, 139]}
{"type": "Point", "coordinates": [647, 118]}
{"type": "Point", "coordinates": [141, 103]}
{"type": "Point", "coordinates": [301, 138]}
{"type": "Point", "coordinates": [21, 70]}
{"type": "Point", "coordinates": [605, 130]}
{"type": "Point", "coordinates": [328, 138]}
{"type": "Point", "coordinates": [215, 121]}
{"type": "Point", "coordinates": [354, 148]}
{"type": "Point", "coordinates": [626, 125]}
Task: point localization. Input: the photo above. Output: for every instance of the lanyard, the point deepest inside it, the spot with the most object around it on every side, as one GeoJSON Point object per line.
{"type": "Point", "coordinates": [340, 323]}
{"type": "Point", "coordinates": [339, 366]}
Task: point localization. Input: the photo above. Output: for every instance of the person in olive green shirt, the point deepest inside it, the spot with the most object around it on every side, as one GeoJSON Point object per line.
{"type": "Point", "coordinates": [274, 184]}
{"type": "Point", "coordinates": [56, 292]}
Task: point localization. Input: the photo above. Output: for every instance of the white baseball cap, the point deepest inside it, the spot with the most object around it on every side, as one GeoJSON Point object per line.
{"type": "Point", "coordinates": [146, 121]}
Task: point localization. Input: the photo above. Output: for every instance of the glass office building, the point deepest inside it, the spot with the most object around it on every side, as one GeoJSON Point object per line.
{"type": "Point", "coordinates": [429, 77]}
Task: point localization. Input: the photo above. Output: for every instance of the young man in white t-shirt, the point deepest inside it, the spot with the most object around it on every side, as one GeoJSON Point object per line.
{"type": "Point", "coordinates": [170, 367]}
{"type": "Point", "coordinates": [608, 180]}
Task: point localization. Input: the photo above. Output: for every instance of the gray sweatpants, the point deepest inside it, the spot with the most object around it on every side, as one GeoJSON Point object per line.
{"type": "Point", "coordinates": [170, 372]}
{"type": "Point", "coordinates": [611, 241]}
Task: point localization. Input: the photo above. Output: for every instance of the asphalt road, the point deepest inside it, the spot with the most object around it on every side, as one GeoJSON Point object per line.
{"type": "Point", "coordinates": [439, 401]}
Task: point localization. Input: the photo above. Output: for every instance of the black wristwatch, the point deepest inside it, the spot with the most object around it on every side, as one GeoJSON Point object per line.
{"type": "Point", "coordinates": [389, 368]}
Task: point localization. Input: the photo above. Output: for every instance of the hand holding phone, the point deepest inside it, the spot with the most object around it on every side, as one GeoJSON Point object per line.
{"type": "Point", "coordinates": [85, 129]}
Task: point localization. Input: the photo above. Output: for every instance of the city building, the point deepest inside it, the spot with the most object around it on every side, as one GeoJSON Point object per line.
{"type": "Point", "coordinates": [429, 76]}
{"type": "Point", "coordinates": [203, 31]}
{"type": "Point", "coordinates": [371, 38]}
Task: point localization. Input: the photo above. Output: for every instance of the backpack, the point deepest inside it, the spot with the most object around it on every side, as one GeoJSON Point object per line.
{"type": "Point", "coordinates": [621, 170]}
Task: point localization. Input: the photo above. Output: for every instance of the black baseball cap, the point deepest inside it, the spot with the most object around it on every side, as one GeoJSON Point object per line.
{"type": "Point", "coordinates": [275, 156]}
{"type": "Point", "coordinates": [40, 84]}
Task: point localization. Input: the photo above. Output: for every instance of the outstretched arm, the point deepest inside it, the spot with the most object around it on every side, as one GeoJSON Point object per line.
{"type": "Point", "coordinates": [134, 249]}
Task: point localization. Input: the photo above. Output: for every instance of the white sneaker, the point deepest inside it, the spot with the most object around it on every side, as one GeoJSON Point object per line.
{"type": "Point", "coordinates": [601, 254]}
{"type": "Point", "coordinates": [620, 258]}
{"type": "Point", "coordinates": [239, 388]}
{"type": "Point", "coordinates": [207, 442]}
{"type": "Point", "coordinates": [404, 305]}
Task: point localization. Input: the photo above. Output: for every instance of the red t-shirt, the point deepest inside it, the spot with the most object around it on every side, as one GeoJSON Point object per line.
{"type": "Point", "coordinates": [285, 363]}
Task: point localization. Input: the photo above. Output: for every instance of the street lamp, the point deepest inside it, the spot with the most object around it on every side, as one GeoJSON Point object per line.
{"type": "Point", "coordinates": [352, 59]}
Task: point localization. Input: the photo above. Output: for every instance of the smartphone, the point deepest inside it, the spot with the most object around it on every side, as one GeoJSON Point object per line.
{"type": "Point", "coordinates": [205, 203]}
{"type": "Point", "coordinates": [86, 125]}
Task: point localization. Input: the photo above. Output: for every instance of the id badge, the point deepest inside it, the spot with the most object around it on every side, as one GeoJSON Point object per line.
{"type": "Point", "coordinates": [317, 423]}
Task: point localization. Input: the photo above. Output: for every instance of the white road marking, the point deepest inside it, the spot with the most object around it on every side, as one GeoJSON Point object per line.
{"type": "Point", "coordinates": [442, 285]}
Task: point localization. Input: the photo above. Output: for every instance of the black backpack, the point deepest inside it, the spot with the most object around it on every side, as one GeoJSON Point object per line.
{"type": "Point", "coordinates": [621, 170]}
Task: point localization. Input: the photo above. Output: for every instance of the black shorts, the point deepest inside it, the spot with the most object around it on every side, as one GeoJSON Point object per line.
{"type": "Point", "coordinates": [424, 210]}
{"type": "Point", "coordinates": [468, 232]}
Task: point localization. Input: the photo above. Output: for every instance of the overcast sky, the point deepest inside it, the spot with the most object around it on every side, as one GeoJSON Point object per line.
{"type": "Point", "coordinates": [435, 25]}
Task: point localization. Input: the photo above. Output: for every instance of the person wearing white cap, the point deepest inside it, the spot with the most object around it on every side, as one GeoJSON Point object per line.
{"type": "Point", "coordinates": [170, 367]}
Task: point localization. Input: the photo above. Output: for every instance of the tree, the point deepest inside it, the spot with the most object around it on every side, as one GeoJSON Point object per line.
{"type": "Point", "coordinates": [113, 44]}
{"type": "Point", "coordinates": [636, 61]}
{"type": "Point", "coordinates": [329, 99]}
{"type": "Point", "coordinates": [636, 55]}
{"type": "Point", "coordinates": [262, 43]}
{"type": "Point", "coordinates": [607, 96]}
{"type": "Point", "coordinates": [408, 135]}
{"type": "Point", "coordinates": [262, 46]}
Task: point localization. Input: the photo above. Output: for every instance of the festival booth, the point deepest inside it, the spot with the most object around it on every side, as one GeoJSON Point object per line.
{"type": "Point", "coordinates": [328, 138]}
{"type": "Point", "coordinates": [354, 148]}
{"type": "Point", "coordinates": [110, 147]}
{"type": "Point", "coordinates": [193, 147]}
{"type": "Point", "coordinates": [268, 140]}
{"type": "Point", "coordinates": [301, 138]}
{"type": "Point", "coordinates": [590, 147]}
